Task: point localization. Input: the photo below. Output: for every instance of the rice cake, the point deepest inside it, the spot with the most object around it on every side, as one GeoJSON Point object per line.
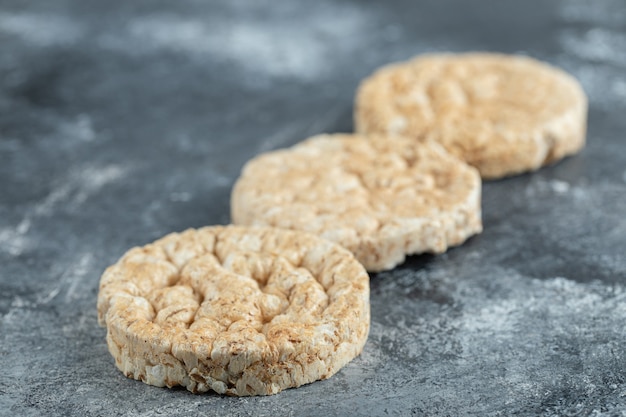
{"type": "Point", "coordinates": [381, 198]}
{"type": "Point", "coordinates": [502, 114]}
{"type": "Point", "coordinates": [240, 311]}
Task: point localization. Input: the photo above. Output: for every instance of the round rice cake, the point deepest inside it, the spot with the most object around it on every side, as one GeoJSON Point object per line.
{"type": "Point", "coordinates": [240, 311]}
{"type": "Point", "coordinates": [381, 199]}
{"type": "Point", "coordinates": [502, 114]}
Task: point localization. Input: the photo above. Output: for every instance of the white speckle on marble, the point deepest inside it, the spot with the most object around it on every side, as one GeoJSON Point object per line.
{"type": "Point", "coordinates": [559, 187]}
{"type": "Point", "coordinates": [70, 280]}
{"type": "Point", "coordinates": [609, 11]}
{"type": "Point", "coordinates": [81, 128]}
{"type": "Point", "coordinates": [285, 49]}
{"type": "Point", "coordinates": [70, 194]}
{"type": "Point", "coordinates": [19, 302]}
{"type": "Point", "coordinates": [91, 179]}
{"type": "Point", "coordinates": [557, 299]}
{"type": "Point", "coordinates": [23, 227]}
{"type": "Point", "coordinates": [79, 185]}
{"type": "Point", "coordinates": [619, 88]}
{"type": "Point", "coordinates": [555, 187]}
{"type": "Point", "coordinates": [14, 315]}
{"type": "Point", "coordinates": [596, 45]}
{"type": "Point", "coordinates": [597, 58]}
{"type": "Point", "coordinates": [611, 262]}
{"type": "Point", "coordinates": [14, 240]}
{"type": "Point", "coordinates": [57, 195]}
{"type": "Point", "coordinates": [282, 137]}
{"type": "Point", "coordinates": [580, 194]}
{"type": "Point", "coordinates": [605, 87]}
{"type": "Point", "coordinates": [49, 296]}
{"type": "Point", "coordinates": [495, 318]}
{"type": "Point", "coordinates": [40, 29]}
{"type": "Point", "coordinates": [75, 275]}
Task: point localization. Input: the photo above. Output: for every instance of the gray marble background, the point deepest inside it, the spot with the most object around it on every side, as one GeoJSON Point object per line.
{"type": "Point", "coordinates": [123, 121]}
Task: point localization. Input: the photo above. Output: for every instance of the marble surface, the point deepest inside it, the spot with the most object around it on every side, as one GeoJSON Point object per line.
{"type": "Point", "coordinates": [123, 121]}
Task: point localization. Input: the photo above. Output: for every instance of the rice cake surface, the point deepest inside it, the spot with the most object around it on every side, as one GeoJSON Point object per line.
{"type": "Point", "coordinates": [240, 311]}
{"type": "Point", "coordinates": [503, 114]}
{"type": "Point", "coordinates": [382, 198]}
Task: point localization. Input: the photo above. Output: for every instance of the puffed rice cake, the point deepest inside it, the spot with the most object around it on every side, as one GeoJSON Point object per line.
{"type": "Point", "coordinates": [381, 199]}
{"type": "Point", "coordinates": [240, 311]}
{"type": "Point", "coordinates": [503, 114]}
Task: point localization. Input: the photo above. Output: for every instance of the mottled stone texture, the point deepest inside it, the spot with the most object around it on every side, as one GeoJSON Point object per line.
{"type": "Point", "coordinates": [123, 121]}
